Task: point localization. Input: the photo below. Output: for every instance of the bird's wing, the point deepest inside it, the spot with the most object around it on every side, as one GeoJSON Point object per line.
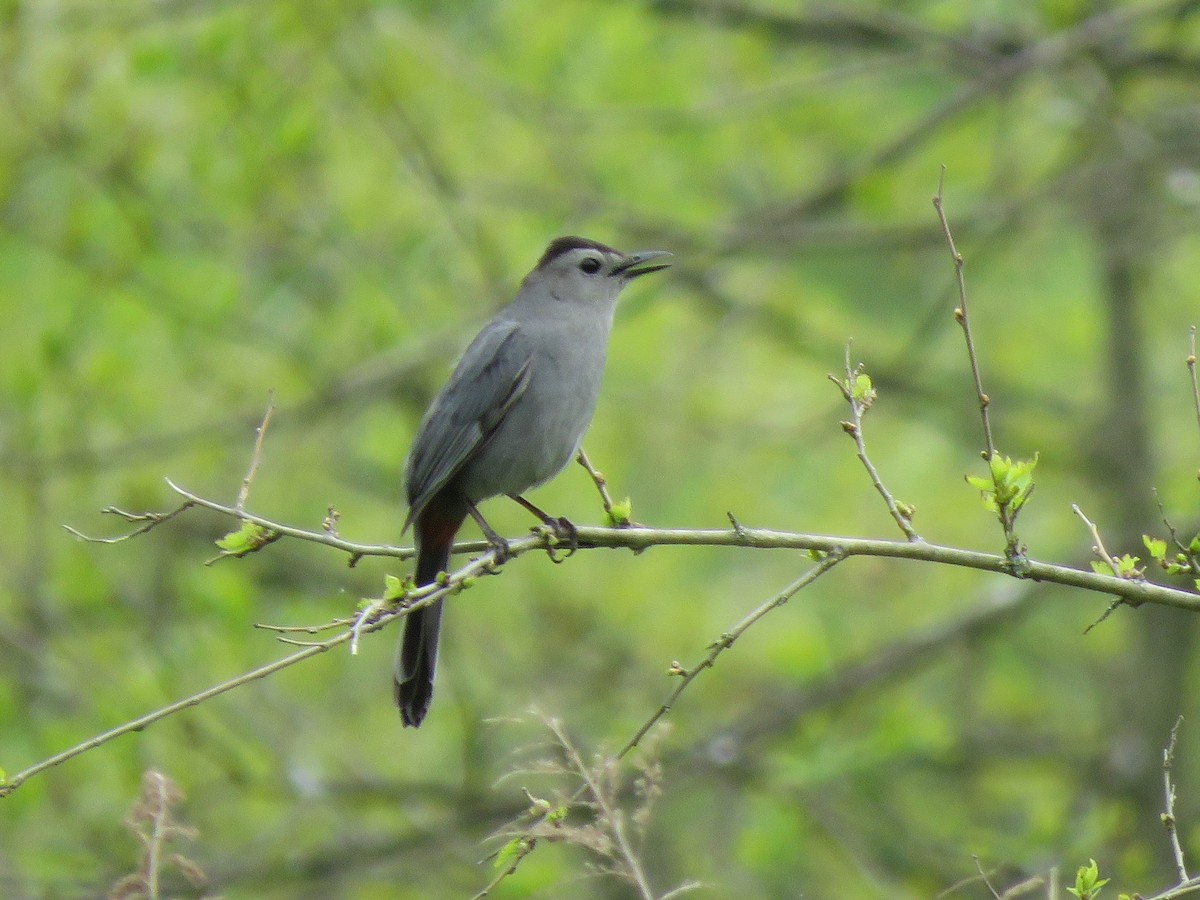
{"type": "Point", "coordinates": [490, 378]}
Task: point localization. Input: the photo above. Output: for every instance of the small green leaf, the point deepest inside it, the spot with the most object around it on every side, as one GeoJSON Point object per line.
{"type": "Point", "coordinates": [394, 587]}
{"type": "Point", "coordinates": [862, 390]}
{"type": "Point", "coordinates": [556, 815]}
{"type": "Point", "coordinates": [1010, 485]}
{"type": "Point", "coordinates": [1127, 566]}
{"type": "Point", "coordinates": [1156, 547]}
{"type": "Point", "coordinates": [509, 853]}
{"type": "Point", "coordinates": [621, 514]}
{"type": "Point", "coordinates": [986, 488]}
{"type": "Point", "coordinates": [1001, 467]}
{"type": "Point", "coordinates": [1021, 480]}
{"type": "Point", "coordinates": [1100, 567]}
{"type": "Point", "coordinates": [1194, 545]}
{"type": "Point", "coordinates": [247, 538]}
{"type": "Point", "coordinates": [1088, 882]}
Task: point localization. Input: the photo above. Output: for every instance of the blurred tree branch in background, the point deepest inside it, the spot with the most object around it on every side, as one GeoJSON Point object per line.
{"type": "Point", "coordinates": [203, 202]}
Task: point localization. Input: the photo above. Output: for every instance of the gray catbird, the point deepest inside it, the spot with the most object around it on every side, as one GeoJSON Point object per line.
{"type": "Point", "coordinates": [511, 417]}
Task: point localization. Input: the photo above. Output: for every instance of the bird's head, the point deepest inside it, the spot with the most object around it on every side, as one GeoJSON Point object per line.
{"type": "Point", "coordinates": [578, 270]}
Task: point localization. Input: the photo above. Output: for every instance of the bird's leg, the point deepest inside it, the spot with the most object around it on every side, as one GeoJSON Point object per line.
{"type": "Point", "coordinates": [499, 544]}
{"type": "Point", "coordinates": [564, 529]}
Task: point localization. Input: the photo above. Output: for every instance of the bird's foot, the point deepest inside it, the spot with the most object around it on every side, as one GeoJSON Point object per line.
{"type": "Point", "coordinates": [562, 531]}
{"type": "Point", "coordinates": [501, 552]}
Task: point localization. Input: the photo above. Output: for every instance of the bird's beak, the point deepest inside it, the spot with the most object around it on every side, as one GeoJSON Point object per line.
{"type": "Point", "coordinates": [635, 264]}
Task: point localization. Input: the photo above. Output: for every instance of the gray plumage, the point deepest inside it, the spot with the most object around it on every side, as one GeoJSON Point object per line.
{"type": "Point", "coordinates": [511, 417]}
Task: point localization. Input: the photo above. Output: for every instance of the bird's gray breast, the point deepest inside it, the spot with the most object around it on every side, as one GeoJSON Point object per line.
{"type": "Point", "coordinates": [544, 428]}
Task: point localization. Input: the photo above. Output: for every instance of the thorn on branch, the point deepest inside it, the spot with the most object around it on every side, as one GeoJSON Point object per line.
{"type": "Point", "coordinates": [1104, 615]}
{"type": "Point", "coordinates": [737, 526]}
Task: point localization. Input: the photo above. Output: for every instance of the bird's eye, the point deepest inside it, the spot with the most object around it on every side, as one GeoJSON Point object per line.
{"type": "Point", "coordinates": [590, 266]}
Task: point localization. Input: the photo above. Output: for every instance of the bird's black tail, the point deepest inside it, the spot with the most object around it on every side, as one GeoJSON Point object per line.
{"type": "Point", "coordinates": [416, 659]}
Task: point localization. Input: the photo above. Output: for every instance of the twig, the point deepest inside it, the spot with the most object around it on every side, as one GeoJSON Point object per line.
{"type": "Point", "coordinates": [363, 619]}
{"type": "Point", "coordinates": [1169, 811]}
{"type": "Point", "coordinates": [526, 847]}
{"type": "Point", "coordinates": [640, 539]}
{"type": "Point", "coordinates": [256, 457]}
{"type": "Point", "coordinates": [600, 481]}
{"type": "Point", "coordinates": [960, 316]}
{"type": "Point", "coordinates": [306, 629]}
{"type": "Point", "coordinates": [687, 676]}
{"type": "Point", "coordinates": [316, 537]}
{"type": "Point", "coordinates": [1114, 565]}
{"type": "Point", "coordinates": [1098, 544]}
{"type": "Point", "coordinates": [983, 875]}
{"type": "Point", "coordinates": [1108, 611]}
{"type": "Point", "coordinates": [329, 524]}
{"type": "Point", "coordinates": [419, 599]}
{"type": "Point", "coordinates": [1191, 366]}
{"type": "Point", "coordinates": [1173, 533]}
{"type": "Point", "coordinates": [859, 404]}
{"type": "Point", "coordinates": [610, 815]}
{"type": "Point", "coordinates": [15, 781]}
{"type": "Point", "coordinates": [725, 641]}
{"type": "Point", "coordinates": [151, 519]}
{"type": "Point", "coordinates": [1191, 886]}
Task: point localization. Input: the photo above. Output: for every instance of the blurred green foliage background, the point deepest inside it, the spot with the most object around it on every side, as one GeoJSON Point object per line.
{"type": "Point", "coordinates": [201, 202]}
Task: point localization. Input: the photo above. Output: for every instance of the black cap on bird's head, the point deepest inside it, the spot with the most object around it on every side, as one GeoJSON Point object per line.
{"type": "Point", "coordinates": [561, 245]}
{"type": "Point", "coordinates": [627, 266]}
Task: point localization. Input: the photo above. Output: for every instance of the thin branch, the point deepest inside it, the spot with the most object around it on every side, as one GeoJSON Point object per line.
{"type": "Point", "coordinates": [307, 629]}
{"type": "Point", "coordinates": [1133, 592]}
{"type": "Point", "coordinates": [316, 537]}
{"type": "Point", "coordinates": [1098, 544]}
{"type": "Point", "coordinates": [860, 402]}
{"type": "Point", "coordinates": [364, 618]}
{"type": "Point", "coordinates": [610, 815]}
{"type": "Point", "coordinates": [725, 641]}
{"type": "Point", "coordinates": [151, 521]}
{"type": "Point", "coordinates": [1191, 366]}
{"type": "Point", "coordinates": [418, 599]}
{"type": "Point", "coordinates": [960, 316]}
{"type": "Point", "coordinates": [1173, 533]}
{"type": "Point", "coordinates": [1114, 565]}
{"type": "Point", "coordinates": [687, 676]}
{"type": "Point", "coordinates": [1169, 810]}
{"type": "Point", "coordinates": [256, 457]}
{"type": "Point", "coordinates": [600, 481]}
{"type": "Point", "coordinates": [1192, 886]}
{"type": "Point", "coordinates": [526, 847]}
{"type": "Point", "coordinates": [640, 539]}
{"type": "Point", "coordinates": [15, 781]}
{"type": "Point", "coordinates": [983, 875]}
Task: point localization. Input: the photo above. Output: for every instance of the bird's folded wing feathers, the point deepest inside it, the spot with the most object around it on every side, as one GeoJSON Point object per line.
{"type": "Point", "coordinates": [490, 378]}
